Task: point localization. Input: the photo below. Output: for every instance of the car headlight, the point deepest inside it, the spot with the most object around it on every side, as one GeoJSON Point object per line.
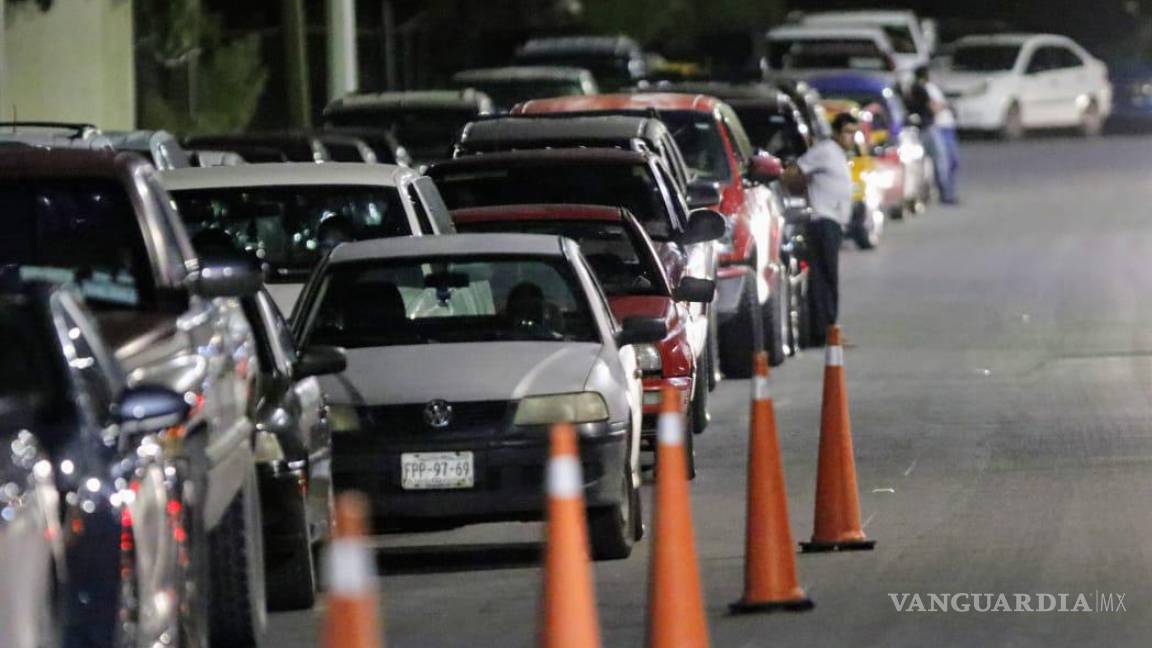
{"type": "Point", "coordinates": [583, 407]}
{"type": "Point", "coordinates": [648, 358]}
{"type": "Point", "coordinates": [343, 418]}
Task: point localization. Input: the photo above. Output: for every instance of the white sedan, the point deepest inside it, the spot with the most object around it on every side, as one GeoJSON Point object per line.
{"type": "Point", "coordinates": [1009, 83]}
{"type": "Point", "coordinates": [462, 351]}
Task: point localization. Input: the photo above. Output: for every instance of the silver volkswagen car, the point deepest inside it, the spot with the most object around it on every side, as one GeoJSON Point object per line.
{"type": "Point", "coordinates": [462, 351]}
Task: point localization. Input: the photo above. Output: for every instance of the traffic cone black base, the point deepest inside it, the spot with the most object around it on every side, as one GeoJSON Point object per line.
{"type": "Point", "coordinates": [800, 605]}
{"type": "Point", "coordinates": [849, 545]}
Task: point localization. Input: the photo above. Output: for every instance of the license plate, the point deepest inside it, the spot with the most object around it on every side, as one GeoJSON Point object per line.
{"type": "Point", "coordinates": [430, 470]}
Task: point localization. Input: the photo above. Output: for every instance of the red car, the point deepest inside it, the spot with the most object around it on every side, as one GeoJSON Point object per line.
{"type": "Point", "coordinates": [633, 276]}
{"type": "Point", "coordinates": [732, 178]}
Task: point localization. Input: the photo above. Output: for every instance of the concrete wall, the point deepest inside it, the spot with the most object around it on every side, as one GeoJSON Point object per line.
{"type": "Point", "coordinates": [72, 63]}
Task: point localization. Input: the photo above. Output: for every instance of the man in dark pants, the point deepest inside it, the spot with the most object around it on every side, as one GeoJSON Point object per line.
{"type": "Point", "coordinates": [823, 173]}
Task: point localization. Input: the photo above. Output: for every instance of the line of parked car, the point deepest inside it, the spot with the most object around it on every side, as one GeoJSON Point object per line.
{"type": "Point", "coordinates": [209, 336]}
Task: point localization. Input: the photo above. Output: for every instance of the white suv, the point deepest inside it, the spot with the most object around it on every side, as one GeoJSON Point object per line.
{"type": "Point", "coordinates": [1008, 83]}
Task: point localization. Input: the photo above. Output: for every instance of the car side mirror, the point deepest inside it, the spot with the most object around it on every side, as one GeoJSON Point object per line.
{"type": "Point", "coordinates": [641, 330]}
{"type": "Point", "coordinates": [703, 194]}
{"type": "Point", "coordinates": [148, 408]}
{"type": "Point", "coordinates": [704, 225]}
{"type": "Point", "coordinates": [320, 361]}
{"type": "Point", "coordinates": [228, 276]}
{"type": "Point", "coordinates": [764, 168]}
{"type": "Point", "coordinates": [695, 290]}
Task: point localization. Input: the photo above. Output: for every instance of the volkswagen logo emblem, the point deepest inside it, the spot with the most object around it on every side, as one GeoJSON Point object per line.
{"type": "Point", "coordinates": [438, 414]}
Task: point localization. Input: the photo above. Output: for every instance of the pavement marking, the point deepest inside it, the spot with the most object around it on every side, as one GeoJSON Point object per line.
{"type": "Point", "coordinates": [911, 468]}
{"type": "Point", "coordinates": [866, 522]}
{"type": "Point", "coordinates": [883, 490]}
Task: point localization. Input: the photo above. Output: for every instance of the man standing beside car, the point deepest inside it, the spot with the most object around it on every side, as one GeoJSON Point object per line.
{"type": "Point", "coordinates": [823, 172]}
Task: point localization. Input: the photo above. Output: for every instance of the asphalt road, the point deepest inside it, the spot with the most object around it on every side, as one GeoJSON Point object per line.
{"type": "Point", "coordinates": [999, 366]}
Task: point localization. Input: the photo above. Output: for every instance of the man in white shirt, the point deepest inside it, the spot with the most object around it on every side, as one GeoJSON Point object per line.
{"type": "Point", "coordinates": [823, 172]}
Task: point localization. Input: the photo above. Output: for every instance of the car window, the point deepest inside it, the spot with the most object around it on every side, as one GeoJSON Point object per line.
{"type": "Point", "coordinates": [290, 228]}
{"type": "Point", "coordinates": [700, 143]}
{"type": "Point", "coordinates": [831, 53]}
{"type": "Point", "coordinates": [1043, 60]}
{"type": "Point", "coordinates": [427, 132]}
{"type": "Point", "coordinates": [631, 186]}
{"type": "Point", "coordinates": [774, 131]}
{"type": "Point", "coordinates": [440, 300]}
{"type": "Point", "coordinates": [985, 58]}
{"type": "Point", "coordinates": [1068, 58]}
{"type": "Point", "coordinates": [903, 42]}
{"type": "Point", "coordinates": [622, 263]}
{"type": "Point", "coordinates": [76, 230]}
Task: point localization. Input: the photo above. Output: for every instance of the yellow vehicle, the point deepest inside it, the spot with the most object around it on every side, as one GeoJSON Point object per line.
{"type": "Point", "coordinates": [877, 187]}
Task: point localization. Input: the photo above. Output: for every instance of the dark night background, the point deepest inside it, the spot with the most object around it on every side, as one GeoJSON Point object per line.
{"type": "Point", "coordinates": [438, 37]}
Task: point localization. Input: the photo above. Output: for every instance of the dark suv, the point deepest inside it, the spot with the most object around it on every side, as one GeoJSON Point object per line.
{"type": "Point", "coordinates": [103, 222]}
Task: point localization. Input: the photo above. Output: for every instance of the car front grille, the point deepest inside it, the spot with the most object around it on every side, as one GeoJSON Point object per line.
{"type": "Point", "coordinates": [404, 420]}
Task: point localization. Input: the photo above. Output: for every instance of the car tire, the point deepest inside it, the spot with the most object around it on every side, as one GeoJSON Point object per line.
{"type": "Point", "coordinates": [291, 582]}
{"type": "Point", "coordinates": [740, 334]}
{"type": "Point", "coordinates": [773, 328]}
{"type": "Point", "coordinates": [1091, 122]}
{"type": "Point", "coordinates": [1013, 127]}
{"type": "Point", "coordinates": [803, 315]}
{"type": "Point", "coordinates": [612, 529]}
{"type": "Point", "coordinates": [237, 614]}
{"type": "Point", "coordinates": [701, 414]}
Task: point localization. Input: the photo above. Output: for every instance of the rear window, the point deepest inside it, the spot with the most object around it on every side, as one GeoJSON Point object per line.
{"type": "Point", "coordinates": [838, 54]}
{"type": "Point", "coordinates": [632, 187]}
{"type": "Point", "coordinates": [622, 264]}
{"type": "Point", "coordinates": [427, 133]}
{"type": "Point", "coordinates": [463, 299]}
{"type": "Point", "coordinates": [700, 143]}
{"type": "Point", "coordinates": [291, 228]}
{"type": "Point", "coordinates": [79, 230]}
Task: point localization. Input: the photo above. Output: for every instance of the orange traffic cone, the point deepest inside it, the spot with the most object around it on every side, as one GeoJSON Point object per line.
{"type": "Point", "coordinates": [676, 616]}
{"type": "Point", "coordinates": [350, 571]}
{"type": "Point", "coordinates": [769, 562]}
{"type": "Point", "coordinates": [837, 524]}
{"type": "Point", "coordinates": [568, 607]}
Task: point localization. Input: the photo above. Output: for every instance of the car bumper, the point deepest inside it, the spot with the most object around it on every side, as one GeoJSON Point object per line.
{"type": "Point", "coordinates": [652, 396]}
{"type": "Point", "coordinates": [508, 475]}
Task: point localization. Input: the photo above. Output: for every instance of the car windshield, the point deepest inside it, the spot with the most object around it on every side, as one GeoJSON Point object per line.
{"type": "Point", "coordinates": [630, 186]}
{"type": "Point", "coordinates": [506, 93]}
{"type": "Point", "coordinates": [773, 131]}
{"type": "Point", "coordinates": [291, 228]}
{"type": "Point", "coordinates": [623, 265]}
{"type": "Point", "coordinates": [438, 300]}
{"type": "Point", "coordinates": [985, 58]}
{"type": "Point", "coordinates": [700, 143]}
{"type": "Point", "coordinates": [836, 54]}
{"type": "Point", "coordinates": [427, 133]}
{"type": "Point", "coordinates": [75, 230]}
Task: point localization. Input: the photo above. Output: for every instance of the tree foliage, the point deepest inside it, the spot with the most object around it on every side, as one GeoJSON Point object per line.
{"type": "Point", "coordinates": [192, 78]}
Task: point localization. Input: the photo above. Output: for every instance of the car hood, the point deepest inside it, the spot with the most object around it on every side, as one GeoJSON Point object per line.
{"type": "Point", "coordinates": [461, 372]}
